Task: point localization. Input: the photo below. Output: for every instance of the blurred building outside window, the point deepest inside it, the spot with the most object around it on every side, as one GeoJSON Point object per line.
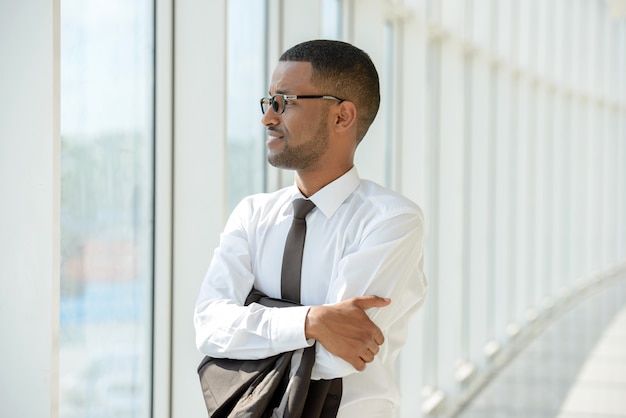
{"type": "Point", "coordinates": [107, 194]}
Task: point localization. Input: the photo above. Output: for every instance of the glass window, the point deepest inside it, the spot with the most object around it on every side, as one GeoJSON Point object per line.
{"type": "Point", "coordinates": [107, 143]}
{"type": "Point", "coordinates": [246, 84]}
{"type": "Point", "coordinates": [479, 214]}
{"type": "Point", "coordinates": [387, 102]}
{"type": "Point", "coordinates": [431, 211]}
{"type": "Point", "coordinates": [331, 19]}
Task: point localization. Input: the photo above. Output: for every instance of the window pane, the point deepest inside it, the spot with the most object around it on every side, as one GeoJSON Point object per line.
{"type": "Point", "coordinates": [387, 101]}
{"type": "Point", "coordinates": [106, 208]}
{"type": "Point", "coordinates": [246, 84]}
{"type": "Point", "coordinates": [331, 19]}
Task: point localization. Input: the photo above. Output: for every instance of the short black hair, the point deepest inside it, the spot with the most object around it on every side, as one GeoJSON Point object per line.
{"type": "Point", "coordinates": [342, 70]}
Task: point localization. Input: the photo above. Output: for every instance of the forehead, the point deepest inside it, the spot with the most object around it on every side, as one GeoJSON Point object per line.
{"type": "Point", "coordinates": [292, 77]}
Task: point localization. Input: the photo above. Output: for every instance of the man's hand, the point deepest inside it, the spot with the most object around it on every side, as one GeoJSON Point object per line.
{"type": "Point", "coordinates": [346, 331]}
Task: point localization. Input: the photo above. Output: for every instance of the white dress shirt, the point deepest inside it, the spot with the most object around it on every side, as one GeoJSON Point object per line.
{"type": "Point", "coordinates": [362, 239]}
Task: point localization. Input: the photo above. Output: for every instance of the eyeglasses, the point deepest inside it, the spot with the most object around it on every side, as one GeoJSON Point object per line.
{"type": "Point", "coordinates": [278, 101]}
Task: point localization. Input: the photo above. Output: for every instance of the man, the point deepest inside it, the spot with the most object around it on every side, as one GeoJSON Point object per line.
{"type": "Point", "coordinates": [361, 272]}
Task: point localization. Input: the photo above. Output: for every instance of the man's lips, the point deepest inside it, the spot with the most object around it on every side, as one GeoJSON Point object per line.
{"type": "Point", "coordinates": [273, 137]}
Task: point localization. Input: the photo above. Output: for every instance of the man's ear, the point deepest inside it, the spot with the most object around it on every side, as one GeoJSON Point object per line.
{"type": "Point", "coordinates": [345, 118]}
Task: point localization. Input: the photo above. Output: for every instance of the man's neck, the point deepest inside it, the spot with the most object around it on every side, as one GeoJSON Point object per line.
{"type": "Point", "coordinates": [310, 183]}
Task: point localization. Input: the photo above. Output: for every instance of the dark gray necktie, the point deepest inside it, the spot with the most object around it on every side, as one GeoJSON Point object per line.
{"type": "Point", "coordinates": [315, 398]}
{"type": "Point", "coordinates": [294, 246]}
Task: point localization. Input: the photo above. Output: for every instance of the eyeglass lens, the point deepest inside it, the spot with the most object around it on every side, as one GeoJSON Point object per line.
{"type": "Point", "coordinates": [277, 103]}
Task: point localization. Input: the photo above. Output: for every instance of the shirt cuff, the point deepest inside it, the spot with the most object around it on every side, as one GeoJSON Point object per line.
{"type": "Point", "coordinates": [290, 329]}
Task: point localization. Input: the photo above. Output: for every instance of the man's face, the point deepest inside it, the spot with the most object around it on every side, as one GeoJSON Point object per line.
{"type": "Point", "coordinates": [298, 138]}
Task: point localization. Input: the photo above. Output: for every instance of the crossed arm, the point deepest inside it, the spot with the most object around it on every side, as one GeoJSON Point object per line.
{"type": "Point", "coordinates": [351, 329]}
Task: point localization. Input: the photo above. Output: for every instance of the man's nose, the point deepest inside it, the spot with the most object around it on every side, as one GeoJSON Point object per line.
{"type": "Point", "coordinates": [270, 118]}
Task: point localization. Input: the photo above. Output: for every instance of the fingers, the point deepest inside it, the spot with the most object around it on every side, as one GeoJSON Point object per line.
{"type": "Point", "coordinates": [346, 330]}
{"type": "Point", "coordinates": [376, 338]}
{"type": "Point", "coordinates": [366, 302]}
{"type": "Point", "coordinates": [379, 337]}
{"type": "Point", "coordinates": [359, 364]}
{"type": "Point", "coordinates": [367, 356]}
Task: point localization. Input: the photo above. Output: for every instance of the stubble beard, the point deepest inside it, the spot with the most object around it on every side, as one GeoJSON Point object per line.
{"type": "Point", "coordinates": [302, 156]}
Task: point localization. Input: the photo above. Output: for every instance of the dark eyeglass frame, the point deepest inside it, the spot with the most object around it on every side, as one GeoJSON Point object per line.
{"type": "Point", "coordinates": [271, 101]}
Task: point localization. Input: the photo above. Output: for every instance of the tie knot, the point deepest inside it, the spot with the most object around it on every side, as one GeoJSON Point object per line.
{"type": "Point", "coordinates": [301, 207]}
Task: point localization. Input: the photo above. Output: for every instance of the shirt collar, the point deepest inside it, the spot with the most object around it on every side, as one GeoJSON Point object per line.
{"type": "Point", "coordinates": [330, 197]}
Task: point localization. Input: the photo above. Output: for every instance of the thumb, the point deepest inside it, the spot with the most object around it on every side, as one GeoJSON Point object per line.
{"type": "Point", "coordinates": [365, 302]}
